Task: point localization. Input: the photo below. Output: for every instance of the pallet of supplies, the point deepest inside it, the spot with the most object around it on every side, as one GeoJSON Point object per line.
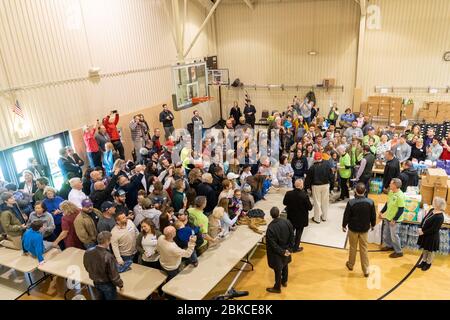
{"type": "Point", "coordinates": [412, 207]}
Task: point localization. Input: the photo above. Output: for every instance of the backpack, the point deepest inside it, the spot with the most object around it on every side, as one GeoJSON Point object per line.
{"type": "Point", "coordinates": [256, 213]}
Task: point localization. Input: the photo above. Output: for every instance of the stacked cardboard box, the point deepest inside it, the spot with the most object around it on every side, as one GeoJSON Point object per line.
{"type": "Point", "coordinates": [363, 107]}
{"type": "Point", "coordinates": [434, 184]}
{"type": "Point", "coordinates": [395, 112]}
{"type": "Point", "coordinates": [372, 108]}
{"type": "Point", "coordinates": [384, 107]}
{"type": "Point", "coordinates": [407, 111]}
{"type": "Point", "coordinates": [428, 112]}
{"type": "Point", "coordinates": [443, 112]}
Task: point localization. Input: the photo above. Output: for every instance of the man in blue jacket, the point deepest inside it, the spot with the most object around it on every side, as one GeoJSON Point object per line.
{"type": "Point", "coordinates": [33, 242]}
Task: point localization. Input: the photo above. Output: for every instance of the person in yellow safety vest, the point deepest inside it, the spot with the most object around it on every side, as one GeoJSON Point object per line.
{"type": "Point", "coordinates": [345, 173]}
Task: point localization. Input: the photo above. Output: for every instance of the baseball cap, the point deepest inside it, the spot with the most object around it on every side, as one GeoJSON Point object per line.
{"type": "Point", "coordinates": [232, 175]}
{"type": "Point", "coordinates": [107, 205]}
{"type": "Point", "coordinates": [119, 193]}
{"type": "Point", "coordinates": [317, 156]}
{"type": "Point", "coordinates": [86, 203]}
{"type": "Point", "coordinates": [169, 143]}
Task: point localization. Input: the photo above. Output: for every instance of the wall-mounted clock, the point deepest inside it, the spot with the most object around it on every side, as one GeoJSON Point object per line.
{"type": "Point", "coordinates": [447, 56]}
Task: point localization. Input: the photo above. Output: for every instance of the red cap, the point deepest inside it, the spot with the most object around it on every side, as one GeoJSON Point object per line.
{"type": "Point", "coordinates": [169, 143]}
{"type": "Point", "coordinates": [317, 156]}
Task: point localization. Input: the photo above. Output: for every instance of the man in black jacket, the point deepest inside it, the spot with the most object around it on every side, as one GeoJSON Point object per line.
{"type": "Point", "coordinates": [365, 168]}
{"type": "Point", "coordinates": [205, 189]}
{"type": "Point", "coordinates": [359, 216]}
{"type": "Point", "coordinates": [166, 117]}
{"type": "Point", "coordinates": [391, 170]}
{"type": "Point", "coordinates": [409, 176]}
{"type": "Point", "coordinates": [102, 193]}
{"type": "Point", "coordinates": [101, 265]}
{"type": "Point", "coordinates": [250, 113]}
{"type": "Point", "coordinates": [318, 180]}
{"type": "Point", "coordinates": [280, 241]}
{"type": "Point", "coordinates": [297, 207]}
{"type": "Point", "coordinates": [132, 187]}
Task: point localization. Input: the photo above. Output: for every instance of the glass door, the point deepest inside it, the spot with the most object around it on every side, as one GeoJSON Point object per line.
{"type": "Point", "coordinates": [20, 159]}
{"type": "Point", "coordinates": [51, 149]}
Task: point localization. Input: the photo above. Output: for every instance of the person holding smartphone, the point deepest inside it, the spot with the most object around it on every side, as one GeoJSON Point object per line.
{"type": "Point", "coordinates": [170, 253]}
{"type": "Point", "coordinates": [110, 122]}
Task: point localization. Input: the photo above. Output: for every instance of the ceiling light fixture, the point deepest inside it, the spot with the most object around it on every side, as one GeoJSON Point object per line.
{"type": "Point", "coordinates": [312, 53]}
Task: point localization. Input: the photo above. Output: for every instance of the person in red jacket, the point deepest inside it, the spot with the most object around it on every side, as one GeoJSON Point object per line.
{"type": "Point", "coordinates": [445, 155]}
{"type": "Point", "coordinates": [92, 149]}
{"type": "Point", "coordinates": [110, 124]}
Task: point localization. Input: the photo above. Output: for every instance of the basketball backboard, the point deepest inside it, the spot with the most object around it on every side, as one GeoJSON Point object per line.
{"type": "Point", "coordinates": [190, 82]}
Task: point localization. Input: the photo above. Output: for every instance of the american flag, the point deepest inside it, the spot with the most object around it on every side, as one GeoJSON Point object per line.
{"type": "Point", "coordinates": [17, 109]}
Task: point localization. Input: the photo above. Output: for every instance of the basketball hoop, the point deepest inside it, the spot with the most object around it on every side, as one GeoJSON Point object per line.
{"type": "Point", "coordinates": [197, 100]}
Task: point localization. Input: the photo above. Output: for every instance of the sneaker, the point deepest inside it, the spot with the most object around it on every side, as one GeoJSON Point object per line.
{"type": "Point", "coordinates": [324, 220]}
{"type": "Point", "coordinates": [366, 275]}
{"type": "Point", "coordinates": [315, 221]}
{"type": "Point", "coordinates": [421, 265]}
{"type": "Point", "coordinates": [300, 249]}
{"type": "Point", "coordinates": [426, 266]}
{"type": "Point", "coordinates": [273, 290]}
{"type": "Point", "coordinates": [348, 266]}
{"type": "Point", "coordinates": [396, 255]}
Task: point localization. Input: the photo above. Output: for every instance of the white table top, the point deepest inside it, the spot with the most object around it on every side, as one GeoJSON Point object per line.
{"type": "Point", "coordinates": [15, 259]}
{"type": "Point", "coordinates": [214, 264]}
{"type": "Point", "coordinates": [139, 282]}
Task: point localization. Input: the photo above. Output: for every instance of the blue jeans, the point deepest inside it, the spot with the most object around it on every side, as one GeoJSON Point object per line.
{"type": "Point", "coordinates": [128, 261]}
{"type": "Point", "coordinates": [193, 259]}
{"type": "Point", "coordinates": [107, 291]}
{"type": "Point", "coordinates": [95, 159]}
{"type": "Point", "coordinates": [171, 274]}
{"type": "Point", "coordinates": [391, 238]}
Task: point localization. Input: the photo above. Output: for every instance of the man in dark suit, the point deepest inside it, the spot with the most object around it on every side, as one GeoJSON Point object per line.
{"type": "Point", "coordinates": [280, 241]}
{"type": "Point", "coordinates": [298, 206]}
{"type": "Point", "coordinates": [250, 113]}
{"type": "Point", "coordinates": [68, 166]}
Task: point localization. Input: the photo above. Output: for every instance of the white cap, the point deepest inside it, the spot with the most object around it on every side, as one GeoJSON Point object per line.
{"type": "Point", "coordinates": [231, 176]}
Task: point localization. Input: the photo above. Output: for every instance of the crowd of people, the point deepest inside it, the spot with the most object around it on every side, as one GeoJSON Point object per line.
{"type": "Point", "coordinates": [168, 205]}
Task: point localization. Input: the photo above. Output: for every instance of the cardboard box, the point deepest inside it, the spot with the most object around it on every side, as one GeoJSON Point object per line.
{"type": "Point", "coordinates": [383, 113]}
{"type": "Point", "coordinates": [440, 192]}
{"type": "Point", "coordinates": [427, 194]}
{"type": "Point", "coordinates": [432, 106]}
{"type": "Point", "coordinates": [396, 100]}
{"type": "Point", "coordinates": [363, 107]}
{"type": "Point", "coordinates": [329, 82]}
{"type": "Point", "coordinates": [396, 105]}
{"type": "Point", "coordinates": [444, 107]}
{"type": "Point", "coordinates": [372, 109]}
{"type": "Point", "coordinates": [408, 111]}
{"type": "Point", "coordinates": [385, 99]}
{"type": "Point", "coordinates": [374, 99]}
{"type": "Point", "coordinates": [436, 177]}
